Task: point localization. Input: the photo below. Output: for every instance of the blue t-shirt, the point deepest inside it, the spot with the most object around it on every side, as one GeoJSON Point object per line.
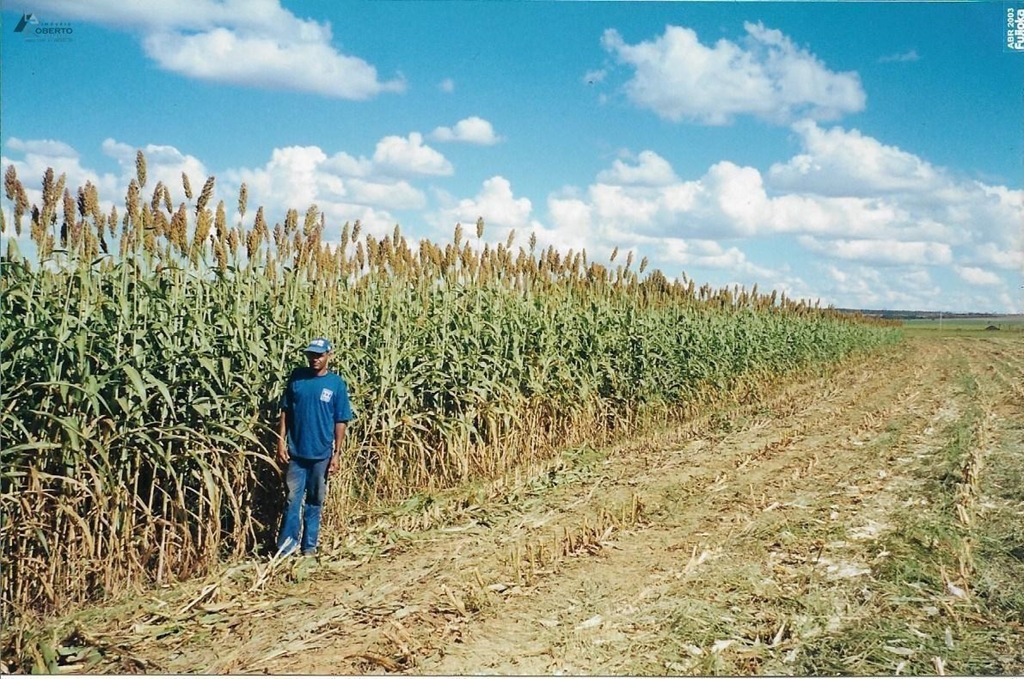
{"type": "Point", "coordinates": [312, 405]}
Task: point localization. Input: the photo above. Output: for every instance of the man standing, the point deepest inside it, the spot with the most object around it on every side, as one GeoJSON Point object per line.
{"type": "Point", "coordinates": [315, 411]}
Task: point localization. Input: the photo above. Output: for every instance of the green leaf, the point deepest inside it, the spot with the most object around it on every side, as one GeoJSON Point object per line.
{"type": "Point", "coordinates": [136, 380]}
{"type": "Point", "coordinates": [160, 387]}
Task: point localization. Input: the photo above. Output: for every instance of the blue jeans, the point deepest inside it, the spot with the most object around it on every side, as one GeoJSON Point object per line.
{"type": "Point", "coordinates": [306, 480]}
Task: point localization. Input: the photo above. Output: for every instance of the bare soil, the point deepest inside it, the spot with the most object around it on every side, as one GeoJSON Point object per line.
{"type": "Point", "coordinates": [869, 520]}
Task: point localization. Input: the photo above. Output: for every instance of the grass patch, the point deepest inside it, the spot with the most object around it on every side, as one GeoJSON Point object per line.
{"type": "Point", "coordinates": [1000, 543]}
{"type": "Point", "coordinates": [949, 597]}
{"type": "Point", "coordinates": [964, 327]}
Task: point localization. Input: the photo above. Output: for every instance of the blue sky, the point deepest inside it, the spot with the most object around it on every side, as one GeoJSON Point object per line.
{"type": "Point", "coordinates": [862, 154]}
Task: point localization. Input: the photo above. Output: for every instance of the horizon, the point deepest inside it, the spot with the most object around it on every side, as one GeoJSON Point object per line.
{"type": "Point", "coordinates": [822, 150]}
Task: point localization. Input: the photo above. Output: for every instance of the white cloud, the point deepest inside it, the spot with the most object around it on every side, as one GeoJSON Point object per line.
{"type": "Point", "coordinates": [679, 78]}
{"type": "Point", "coordinates": [646, 219]}
{"type": "Point", "coordinates": [727, 201]}
{"type": "Point", "coordinates": [996, 211]}
{"type": "Point", "coordinates": [495, 202]}
{"type": "Point", "coordinates": [345, 165]}
{"type": "Point", "coordinates": [845, 162]}
{"type": "Point", "coordinates": [883, 252]}
{"type": "Point", "coordinates": [711, 254]}
{"type": "Point", "coordinates": [975, 276]}
{"type": "Point", "coordinates": [736, 198]}
{"type": "Point", "coordinates": [650, 170]}
{"type": "Point", "coordinates": [409, 155]}
{"type": "Point", "coordinates": [292, 178]}
{"type": "Point", "coordinates": [472, 130]}
{"type": "Point", "coordinates": [447, 85]}
{"type": "Point", "coordinates": [624, 206]}
{"type": "Point", "coordinates": [731, 201]}
{"type": "Point", "coordinates": [880, 217]}
{"type": "Point", "coordinates": [395, 196]}
{"type": "Point", "coordinates": [264, 61]}
{"type": "Point", "coordinates": [38, 155]}
{"type": "Point", "coordinates": [255, 43]}
{"type": "Point", "coordinates": [376, 221]}
{"type": "Point", "coordinates": [926, 217]}
{"type": "Point", "coordinates": [571, 224]}
{"type": "Point", "coordinates": [992, 255]}
{"type": "Point", "coordinates": [865, 287]}
{"type": "Point", "coordinates": [300, 176]}
{"type": "Point", "coordinates": [922, 201]}
{"type": "Point", "coordinates": [48, 148]}
{"type": "Point", "coordinates": [344, 187]}
{"type": "Point", "coordinates": [163, 164]}
{"type": "Point", "coordinates": [900, 57]}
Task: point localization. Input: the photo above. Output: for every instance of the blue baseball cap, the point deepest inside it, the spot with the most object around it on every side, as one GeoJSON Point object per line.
{"type": "Point", "coordinates": [321, 345]}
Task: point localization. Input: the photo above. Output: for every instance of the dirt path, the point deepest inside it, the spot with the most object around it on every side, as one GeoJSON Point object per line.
{"type": "Point", "coordinates": [871, 521]}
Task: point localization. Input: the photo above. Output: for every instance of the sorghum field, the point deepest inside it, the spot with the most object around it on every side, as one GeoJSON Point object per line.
{"type": "Point", "coordinates": [557, 465]}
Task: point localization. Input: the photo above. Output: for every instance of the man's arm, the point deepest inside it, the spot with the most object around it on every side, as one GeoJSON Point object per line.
{"type": "Point", "coordinates": [282, 439]}
{"type": "Point", "coordinates": [339, 441]}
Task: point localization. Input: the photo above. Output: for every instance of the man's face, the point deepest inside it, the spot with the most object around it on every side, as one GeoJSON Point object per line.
{"type": "Point", "coordinates": [318, 361]}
